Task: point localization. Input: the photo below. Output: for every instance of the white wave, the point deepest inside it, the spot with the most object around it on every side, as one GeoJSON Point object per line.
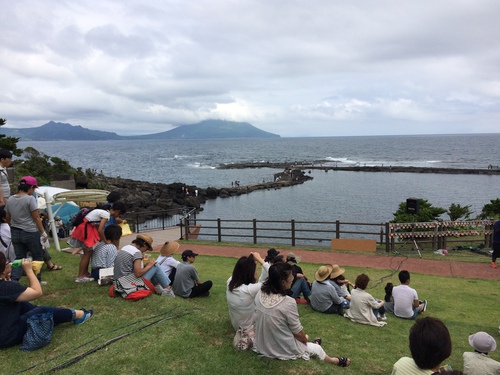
{"type": "Point", "coordinates": [434, 161]}
{"type": "Point", "coordinates": [200, 166]}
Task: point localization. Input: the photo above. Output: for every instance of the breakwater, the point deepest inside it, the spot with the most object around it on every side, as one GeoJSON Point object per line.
{"type": "Point", "coordinates": [326, 166]}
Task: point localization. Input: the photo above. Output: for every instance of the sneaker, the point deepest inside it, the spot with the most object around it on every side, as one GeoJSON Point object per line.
{"type": "Point", "coordinates": [168, 292]}
{"type": "Point", "coordinates": [424, 305]}
{"type": "Point", "coordinates": [159, 289]}
{"type": "Point", "coordinates": [87, 314]}
{"type": "Point", "coordinates": [83, 279]}
{"type": "Point", "coordinates": [382, 317]}
{"type": "Point", "coordinates": [493, 264]}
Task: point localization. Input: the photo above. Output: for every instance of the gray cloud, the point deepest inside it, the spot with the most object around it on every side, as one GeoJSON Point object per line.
{"type": "Point", "coordinates": [319, 69]}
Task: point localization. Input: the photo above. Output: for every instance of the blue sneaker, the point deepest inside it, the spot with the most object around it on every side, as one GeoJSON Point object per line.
{"type": "Point", "coordinates": [87, 314]}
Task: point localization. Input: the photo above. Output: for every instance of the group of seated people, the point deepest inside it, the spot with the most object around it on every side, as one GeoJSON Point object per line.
{"type": "Point", "coordinates": [263, 312]}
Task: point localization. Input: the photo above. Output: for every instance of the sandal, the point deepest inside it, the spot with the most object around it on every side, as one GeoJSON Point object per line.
{"type": "Point", "coordinates": [54, 267]}
{"type": "Point", "coordinates": [343, 361]}
{"type": "Point", "coordinates": [317, 341]}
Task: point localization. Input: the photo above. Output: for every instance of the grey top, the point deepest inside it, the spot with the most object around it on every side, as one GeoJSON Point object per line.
{"type": "Point", "coordinates": [276, 321]}
{"type": "Point", "coordinates": [124, 261]}
{"type": "Point", "coordinates": [338, 289]}
{"type": "Point", "coordinates": [4, 180]}
{"type": "Point", "coordinates": [185, 279]}
{"type": "Point", "coordinates": [323, 296]}
{"type": "Point", "coordinates": [20, 209]}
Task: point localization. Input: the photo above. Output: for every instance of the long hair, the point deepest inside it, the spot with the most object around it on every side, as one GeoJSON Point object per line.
{"type": "Point", "coordinates": [278, 273]}
{"type": "Point", "coordinates": [243, 273]}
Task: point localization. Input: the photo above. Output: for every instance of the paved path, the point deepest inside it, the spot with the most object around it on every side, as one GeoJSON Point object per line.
{"type": "Point", "coordinates": [413, 264]}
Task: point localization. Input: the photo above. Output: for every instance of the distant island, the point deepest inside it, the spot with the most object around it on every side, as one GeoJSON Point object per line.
{"type": "Point", "coordinates": [208, 129]}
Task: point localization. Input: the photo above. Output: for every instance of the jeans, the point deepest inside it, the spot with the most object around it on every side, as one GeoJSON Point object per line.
{"type": "Point", "coordinates": [156, 275]}
{"type": "Point", "coordinates": [300, 287]}
{"type": "Point", "coordinates": [27, 310]}
{"type": "Point", "coordinates": [24, 243]}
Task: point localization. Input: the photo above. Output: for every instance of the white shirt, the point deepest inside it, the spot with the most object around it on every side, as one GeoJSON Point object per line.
{"type": "Point", "coordinates": [403, 300]}
{"type": "Point", "coordinates": [241, 303]}
{"type": "Point", "coordinates": [166, 263]}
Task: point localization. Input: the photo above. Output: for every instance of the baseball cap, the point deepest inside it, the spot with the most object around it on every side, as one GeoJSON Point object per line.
{"type": "Point", "coordinates": [188, 253]}
{"type": "Point", "coordinates": [29, 180]}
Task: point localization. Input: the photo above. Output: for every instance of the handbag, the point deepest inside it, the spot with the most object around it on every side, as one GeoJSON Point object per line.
{"type": "Point", "coordinates": [39, 332]}
{"type": "Point", "coordinates": [125, 229]}
{"type": "Point", "coordinates": [132, 287]}
{"type": "Point", "coordinates": [244, 338]}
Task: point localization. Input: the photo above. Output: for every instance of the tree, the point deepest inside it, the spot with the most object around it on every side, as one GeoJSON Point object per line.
{"type": "Point", "coordinates": [456, 211]}
{"type": "Point", "coordinates": [491, 210]}
{"type": "Point", "coordinates": [9, 143]}
{"type": "Point", "coordinates": [42, 166]}
{"type": "Point", "coordinates": [426, 213]}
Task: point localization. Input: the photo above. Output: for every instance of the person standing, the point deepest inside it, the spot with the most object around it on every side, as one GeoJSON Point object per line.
{"type": "Point", "coordinates": [187, 283]}
{"type": "Point", "coordinates": [25, 224]}
{"type": "Point", "coordinates": [496, 244]}
{"type": "Point", "coordinates": [406, 303]}
{"type": "Point", "coordinates": [5, 162]}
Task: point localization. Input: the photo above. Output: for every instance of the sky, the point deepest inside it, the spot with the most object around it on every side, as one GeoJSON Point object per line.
{"type": "Point", "coordinates": [294, 68]}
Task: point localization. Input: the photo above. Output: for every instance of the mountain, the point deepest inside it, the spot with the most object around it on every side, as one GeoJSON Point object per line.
{"type": "Point", "coordinates": [208, 129]}
{"type": "Point", "coordinates": [212, 129]}
{"type": "Point", "coordinates": [58, 131]}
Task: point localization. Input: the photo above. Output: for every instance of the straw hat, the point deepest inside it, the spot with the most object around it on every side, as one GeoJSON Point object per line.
{"type": "Point", "coordinates": [336, 271]}
{"type": "Point", "coordinates": [323, 272]}
{"type": "Point", "coordinates": [146, 238]}
{"type": "Point", "coordinates": [169, 248]}
{"type": "Point", "coordinates": [292, 259]}
{"type": "Point", "coordinates": [482, 342]}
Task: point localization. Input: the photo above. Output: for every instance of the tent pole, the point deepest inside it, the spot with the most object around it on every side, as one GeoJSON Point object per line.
{"type": "Point", "coordinates": [52, 223]}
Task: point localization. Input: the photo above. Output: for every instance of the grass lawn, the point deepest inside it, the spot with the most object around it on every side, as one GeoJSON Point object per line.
{"type": "Point", "coordinates": [199, 341]}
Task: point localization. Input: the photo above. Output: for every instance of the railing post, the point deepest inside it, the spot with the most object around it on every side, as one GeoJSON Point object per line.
{"type": "Point", "coordinates": [293, 232]}
{"type": "Point", "coordinates": [186, 229]}
{"type": "Point", "coordinates": [137, 223]}
{"type": "Point", "coordinates": [337, 229]}
{"type": "Point", "coordinates": [181, 225]}
{"type": "Point", "coordinates": [219, 231]}
{"type": "Point", "coordinates": [254, 231]}
{"type": "Point", "coordinates": [387, 237]}
{"type": "Point", "coordinates": [163, 222]}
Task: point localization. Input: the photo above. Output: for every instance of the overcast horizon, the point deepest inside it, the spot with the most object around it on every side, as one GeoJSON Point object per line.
{"type": "Point", "coordinates": [296, 69]}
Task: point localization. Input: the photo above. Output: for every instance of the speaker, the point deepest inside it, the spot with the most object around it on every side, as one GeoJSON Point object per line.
{"type": "Point", "coordinates": [412, 206]}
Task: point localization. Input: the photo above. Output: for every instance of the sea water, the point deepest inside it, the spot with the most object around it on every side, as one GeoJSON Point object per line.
{"type": "Point", "coordinates": [334, 195]}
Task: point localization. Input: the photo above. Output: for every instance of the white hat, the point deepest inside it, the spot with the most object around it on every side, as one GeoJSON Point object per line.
{"type": "Point", "coordinates": [482, 342]}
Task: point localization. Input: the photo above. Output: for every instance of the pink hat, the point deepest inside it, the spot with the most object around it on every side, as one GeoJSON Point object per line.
{"type": "Point", "coordinates": [29, 180]}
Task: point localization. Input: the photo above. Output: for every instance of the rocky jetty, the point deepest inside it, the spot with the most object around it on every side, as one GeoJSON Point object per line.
{"type": "Point", "coordinates": [141, 196]}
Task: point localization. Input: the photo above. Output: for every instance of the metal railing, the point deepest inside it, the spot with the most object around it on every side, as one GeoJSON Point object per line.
{"type": "Point", "coordinates": [156, 220]}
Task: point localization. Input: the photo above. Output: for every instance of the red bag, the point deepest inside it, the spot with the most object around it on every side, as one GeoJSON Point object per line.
{"type": "Point", "coordinates": [132, 288]}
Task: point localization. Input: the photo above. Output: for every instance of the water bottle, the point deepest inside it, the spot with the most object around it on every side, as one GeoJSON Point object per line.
{"type": "Point", "coordinates": [19, 262]}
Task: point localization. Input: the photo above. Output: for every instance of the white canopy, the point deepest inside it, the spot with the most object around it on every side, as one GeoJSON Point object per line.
{"type": "Point", "coordinates": [57, 195]}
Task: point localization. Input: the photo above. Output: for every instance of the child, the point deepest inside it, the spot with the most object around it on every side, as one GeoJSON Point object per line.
{"type": "Point", "coordinates": [89, 233]}
{"type": "Point", "coordinates": [166, 261]}
{"type": "Point", "coordinates": [104, 253]}
{"type": "Point", "coordinates": [113, 198]}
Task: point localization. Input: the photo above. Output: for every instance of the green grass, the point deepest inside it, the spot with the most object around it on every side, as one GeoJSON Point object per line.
{"type": "Point", "coordinates": [200, 342]}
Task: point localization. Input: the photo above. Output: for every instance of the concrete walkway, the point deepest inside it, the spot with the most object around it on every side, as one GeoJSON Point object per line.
{"type": "Point", "coordinates": [412, 264]}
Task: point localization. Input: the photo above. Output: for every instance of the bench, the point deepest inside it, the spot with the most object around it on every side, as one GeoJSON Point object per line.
{"type": "Point", "coordinates": [354, 245]}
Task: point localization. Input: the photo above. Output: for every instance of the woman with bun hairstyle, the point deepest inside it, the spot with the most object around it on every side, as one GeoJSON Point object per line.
{"type": "Point", "coordinates": [278, 331]}
{"type": "Point", "coordinates": [25, 224]}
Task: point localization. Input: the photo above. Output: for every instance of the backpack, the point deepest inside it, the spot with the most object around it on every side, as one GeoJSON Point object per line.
{"type": "Point", "coordinates": [77, 218]}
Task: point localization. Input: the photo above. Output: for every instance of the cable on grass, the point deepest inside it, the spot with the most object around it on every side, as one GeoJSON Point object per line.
{"type": "Point", "coordinates": [79, 357]}
{"type": "Point", "coordinates": [142, 320]}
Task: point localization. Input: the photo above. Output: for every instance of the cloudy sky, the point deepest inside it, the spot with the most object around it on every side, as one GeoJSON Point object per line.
{"type": "Point", "coordinates": [295, 68]}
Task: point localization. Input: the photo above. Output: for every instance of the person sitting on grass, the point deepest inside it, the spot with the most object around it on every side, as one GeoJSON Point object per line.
{"type": "Point", "coordinates": [187, 283]}
{"type": "Point", "coordinates": [341, 284]}
{"type": "Point", "coordinates": [388, 298]}
{"type": "Point", "coordinates": [478, 362]}
{"type": "Point", "coordinates": [300, 284]}
{"type": "Point", "coordinates": [406, 303]}
{"type": "Point", "coordinates": [128, 264]}
{"type": "Point", "coordinates": [240, 294]}
{"type": "Point", "coordinates": [17, 313]}
{"type": "Point", "coordinates": [278, 331]}
{"type": "Point", "coordinates": [364, 308]}
{"type": "Point", "coordinates": [89, 233]}
{"type": "Point", "coordinates": [166, 261]}
{"type": "Point", "coordinates": [268, 260]}
{"type": "Point", "coordinates": [105, 252]}
{"type": "Point", "coordinates": [324, 296]}
{"type": "Point", "coordinates": [430, 345]}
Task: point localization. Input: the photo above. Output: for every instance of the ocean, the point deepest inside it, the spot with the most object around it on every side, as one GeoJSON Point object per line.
{"type": "Point", "coordinates": [335, 195]}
